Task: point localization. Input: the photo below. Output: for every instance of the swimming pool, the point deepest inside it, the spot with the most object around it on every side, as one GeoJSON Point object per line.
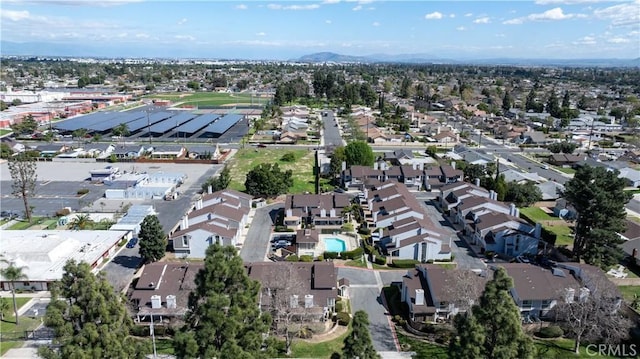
{"type": "Point", "coordinates": [334, 245]}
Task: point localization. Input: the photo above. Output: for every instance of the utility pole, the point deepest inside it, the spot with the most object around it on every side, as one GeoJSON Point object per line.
{"type": "Point", "coordinates": [153, 338]}
{"type": "Point", "coordinates": [148, 126]}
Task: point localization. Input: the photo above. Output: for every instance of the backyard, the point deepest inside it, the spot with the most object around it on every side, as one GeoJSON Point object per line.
{"type": "Point", "coordinates": [302, 168]}
{"type": "Point", "coordinates": [12, 334]}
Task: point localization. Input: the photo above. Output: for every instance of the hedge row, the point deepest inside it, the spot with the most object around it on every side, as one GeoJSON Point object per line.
{"type": "Point", "coordinates": [404, 263]}
{"type": "Point", "coordinates": [356, 253]}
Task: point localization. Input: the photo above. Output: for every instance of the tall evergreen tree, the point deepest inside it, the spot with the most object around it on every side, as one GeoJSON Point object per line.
{"type": "Point", "coordinates": [22, 169]}
{"type": "Point", "coordinates": [552, 105]}
{"type": "Point", "coordinates": [599, 198]}
{"type": "Point", "coordinates": [358, 343]}
{"type": "Point", "coordinates": [88, 318]}
{"type": "Point", "coordinates": [219, 182]}
{"type": "Point", "coordinates": [566, 100]}
{"type": "Point", "coordinates": [507, 101]}
{"type": "Point", "coordinates": [153, 243]}
{"type": "Point", "coordinates": [494, 323]}
{"type": "Point", "coordinates": [224, 319]}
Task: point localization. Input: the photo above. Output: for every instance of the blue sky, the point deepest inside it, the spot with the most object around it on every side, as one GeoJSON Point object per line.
{"type": "Point", "coordinates": [566, 29]}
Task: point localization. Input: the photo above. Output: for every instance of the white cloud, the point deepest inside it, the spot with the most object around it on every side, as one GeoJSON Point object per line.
{"type": "Point", "coordinates": [331, 1]}
{"type": "Point", "coordinates": [14, 15]}
{"type": "Point", "coordinates": [452, 15]}
{"type": "Point", "coordinates": [261, 33]}
{"type": "Point", "coordinates": [569, 2]}
{"type": "Point", "coordinates": [122, 35]}
{"type": "Point", "coordinates": [627, 14]}
{"type": "Point", "coordinates": [293, 7]}
{"type": "Point", "coordinates": [142, 36]}
{"type": "Point", "coordinates": [618, 40]}
{"type": "Point", "coordinates": [482, 20]}
{"type": "Point", "coordinates": [241, 7]}
{"type": "Point", "coordinates": [460, 28]}
{"type": "Point", "coordinates": [587, 40]}
{"type": "Point", "coordinates": [375, 23]}
{"type": "Point", "coordinates": [182, 21]}
{"type": "Point", "coordinates": [327, 21]}
{"type": "Point", "coordinates": [468, 14]}
{"type": "Point", "coordinates": [500, 35]}
{"type": "Point", "coordinates": [91, 3]}
{"type": "Point", "coordinates": [433, 16]}
{"type": "Point", "coordinates": [184, 37]}
{"type": "Point", "coordinates": [357, 8]}
{"type": "Point", "coordinates": [554, 14]}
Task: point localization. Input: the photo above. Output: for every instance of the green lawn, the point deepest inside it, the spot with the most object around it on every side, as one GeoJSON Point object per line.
{"type": "Point", "coordinates": [20, 225]}
{"type": "Point", "coordinates": [163, 345]}
{"type": "Point", "coordinates": [563, 235]}
{"type": "Point", "coordinates": [422, 348]}
{"type": "Point", "coordinates": [243, 161]}
{"type": "Point", "coordinates": [301, 349]}
{"type": "Point", "coordinates": [209, 98]}
{"type": "Point", "coordinates": [628, 291]}
{"type": "Point", "coordinates": [536, 214]}
{"type": "Point", "coordinates": [10, 330]}
{"type": "Point", "coordinates": [446, 265]}
{"type": "Point", "coordinates": [567, 170]}
{"type": "Point", "coordinates": [356, 263]}
{"type": "Point", "coordinates": [4, 132]}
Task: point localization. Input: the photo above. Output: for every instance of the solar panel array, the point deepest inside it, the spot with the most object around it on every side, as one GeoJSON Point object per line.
{"type": "Point", "coordinates": [86, 121]}
{"type": "Point", "coordinates": [197, 123]}
{"type": "Point", "coordinates": [121, 117]}
{"type": "Point", "coordinates": [223, 124]}
{"type": "Point", "coordinates": [172, 122]}
{"type": "Point", "coordinates": [145, 121]}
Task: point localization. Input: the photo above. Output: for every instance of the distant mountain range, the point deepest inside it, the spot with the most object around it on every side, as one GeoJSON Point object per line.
{"type": "Point", "coordinates": [322, 57]}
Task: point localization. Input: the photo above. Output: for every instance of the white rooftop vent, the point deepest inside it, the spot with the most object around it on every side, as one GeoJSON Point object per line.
{"type": "Point", "coordinates": [171, 301]}
{"type": "Point", "coordinates": [419, 296]}
{"type": "Point", "coordinates": [308, 301]}
{"type": "Point", "coordinates": [156, 301]}
{"type": "Point", "coordinates": [293, 301]}
{"type": "Point", "coordinates": [569, 294]}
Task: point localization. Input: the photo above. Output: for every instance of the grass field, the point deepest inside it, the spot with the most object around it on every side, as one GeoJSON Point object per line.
{"type": "Point", "coordinates": [10, 330]}
{"type": "Point", "coordinates": [536, 214]}
{"type": "Point", "coordinates": [301, 349]}
{"type": "Point", "coordinates": [567, 170]}
{"type": "Point", "coordinates": [628, 291]}
{"type": "Point", "coordinates": [563, 233]}
{"type": "Point", "coordinates": [208, 98]}
{"type": "Point", "coordinates": [4, 132]}
{"type": "Point", "coordinates": [246, 159]}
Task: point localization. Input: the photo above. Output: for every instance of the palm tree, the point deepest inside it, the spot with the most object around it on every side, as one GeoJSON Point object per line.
{"type": "Point", "coordinates": [81, 222]}
{"type": "Point", "coordinates": [12, 274]}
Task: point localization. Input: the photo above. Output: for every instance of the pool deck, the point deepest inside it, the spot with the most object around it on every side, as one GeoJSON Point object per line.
{"type": "Point", "coordinates": [351, 243]}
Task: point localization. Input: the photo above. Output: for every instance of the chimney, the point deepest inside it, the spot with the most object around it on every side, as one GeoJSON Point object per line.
{"type": "Point", "coordinates": [308, 301]}
{"type": "Point", "coordinates": [375, 166]}
{"type": "Point", "coordinates": [171, 301]}
{"type": "Point", "coordinates": [569, 294]}
{"type": "Point", "coordinates": [493, 195]}
{"type": "Point", "coordinates": [156, 301]}
{"type": "Point", "coordinates": [584, 294]}
{"type": "Point", "coordinates": [199, 204]}
{"type": "Point", "coordinates": [453, 164]}
{"type": "Point", "coordinates": [323, 212]}
{"type": "Point", "coordinates": [289, 212]}
{"type": "Point", "coordinates": [293, 301]}
{"type": "Point", "coordinates": [209, 190]}
{"type": "Point", "coordinates": [332, 212]}
{"type": "Point", "coordinates": [185, 222]}
{"type": "Point", "coordinates": [344, 165]}
{"type": "Point", "coordinates": [512, 209]}
{"type": "Point", "coordinates": [517, 213]}
{"type": "Point", "coordinates": [477, 182]}
{"type": "Point", "coordinates": [415, 166]}
{"type": "Point", "coordinates": [421, 166]}
{"type": "Point", "coordinates": [419, 296]}
{"type": "Point", "coordinates": [538, 231]}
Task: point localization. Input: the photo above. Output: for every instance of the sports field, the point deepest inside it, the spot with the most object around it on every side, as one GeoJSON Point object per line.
{"type": "Point", "coordinates": [210, 98]}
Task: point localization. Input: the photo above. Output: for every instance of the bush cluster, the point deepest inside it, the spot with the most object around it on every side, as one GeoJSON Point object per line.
{"type": "Point", "coordinates": [552, 331]}
{"type": "Point", "coordinates": [404, 263]}
{"type": "Point", "coordinates": [343, 318]}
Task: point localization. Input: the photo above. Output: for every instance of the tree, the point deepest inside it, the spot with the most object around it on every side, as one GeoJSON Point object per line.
{"type": "Point", "coordinates": [122, 131]}
{"type": "Point", "coordinates": [473, 171]}
{"type": "Point", "coordinates": [224, 319]}
{"type": "Point", "coordinates": [564, 147]}
{"type": "Point", "coordinates": [595, 317]}
{"type": "Point", "coordinates": [359, 153]}
{"type": "Point", "coordinates": [500, 187]}
{"type": "Point", "coordinates": [5, 151]}
{"type": "Point", "coordinates": [220, 182]}
{"type": "Point", "coordinates": [23, 176]}
{"type": "Point", "coordinates": [531, 102]}
{"type": "Point", "coordinates": [153, 241]}
{"type": "Point", "coordinates": [89, 318]}
{"type": "Point", "coordinates": [335, 166]}
{"type": "Point", "coordinates": [12, 274]}
{"type": "Point", "coordinates": [27, 126]}
{"type": "Point", "coordinates": [4, 307]}
{"type": "Point", "coordinates": [81, 222]}
{"type": "Point", "coordinates": [566, 100]}
{"type": "Point", "coordinates": [358, 343]}
{"type": "Point", "coordinates": [79, 133]}
{"type": "Point", "coordinates": [552, 105]}
{"type": "Point", "coordinates": [599, 198]}
{"type": "Point", "coordinates": [507, 101]}
{"type": "Point", "coordinates": [494, 323]}
{"type": "Point", "coordinates": [267, 180]}
{"type": "Point", "coordinates": [523, 195]}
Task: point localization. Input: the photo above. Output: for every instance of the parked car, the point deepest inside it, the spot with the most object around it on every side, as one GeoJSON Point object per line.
{"type": "Point", "coordinates": [132, 242]}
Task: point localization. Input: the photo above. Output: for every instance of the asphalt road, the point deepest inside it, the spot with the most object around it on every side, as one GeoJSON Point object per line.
{"type": "Point", "coordinates": [366, 295]}
{"type": "Point", "coordinates": [122, 268]}
{"type": "Point", "coordinates": [331, 135]}
{"type": "Point", "coordinates": [256, 244]}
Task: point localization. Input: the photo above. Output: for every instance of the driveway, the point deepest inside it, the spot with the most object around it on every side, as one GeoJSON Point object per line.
{"type": "Point", "coordinates": [256, 243]}
{"type": "Point", "coordinates": [122, 268]}
{"type": "Point", "coordinates": [365, 292]}
{"type": "Point", "coordinates": [464, 256]}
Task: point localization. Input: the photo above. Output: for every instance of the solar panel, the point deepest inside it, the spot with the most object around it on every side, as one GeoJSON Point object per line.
{"type": "Point", "coordinates": [86, 121]}
{"type": "Point", "coordinates": [197, 123]}
{"type": "Point", "coordinates": [171, 122]}
{"type": "Point", "coordinates": [121, 117]}
{"type": "Point", "coordinates": [144, 121]}
{"type": "Point", "coordinates": [223, 124]}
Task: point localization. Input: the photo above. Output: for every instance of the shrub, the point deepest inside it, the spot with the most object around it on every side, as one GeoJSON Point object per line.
{"type": "Point", "coordinates": [306, 258]}
{"type": "Point", "coordinates": [320, 258]}
{"type": "Point", "coordinates": [292, 258]}
{"type": "Point", "coordinates": [368, 249]}
{"type": "Point", "coordinates": [356, 253]}
{"type": "Point", "coordinates": [288, 157]}
{"type": "Point", "coordinates": [364, 231]}
{"type": "Point", "coordinates": [339, 306]}
{"type": "Point", "coordinates": [330, 255]}
{"type": "Point", "coordinates": [552, 331]}
{"type": "Point", "coordinates": [343, 318]}
{"type": "Point", "coordinates": [283, 229]}
{"type": "Point", "coordinates": [404, 263]}
{"type": "Point", "coordinates": [381, 260]}
{"type": "Point", "coordinates": [82, 191]}
{"type": "Point", "coordinates": [140, 330]}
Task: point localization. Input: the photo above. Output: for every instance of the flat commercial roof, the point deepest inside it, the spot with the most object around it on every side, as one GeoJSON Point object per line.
{"type": "Point", "coordinates": [223, 124]}
{"type": "Point", "coordinates": [45, 252]}
{"type": "Point", "coordinates": [198, 123]}
{"type": "Point", "coordinates": [134, 217]}
{"type": "Point", "coordinates": [172, 122]}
